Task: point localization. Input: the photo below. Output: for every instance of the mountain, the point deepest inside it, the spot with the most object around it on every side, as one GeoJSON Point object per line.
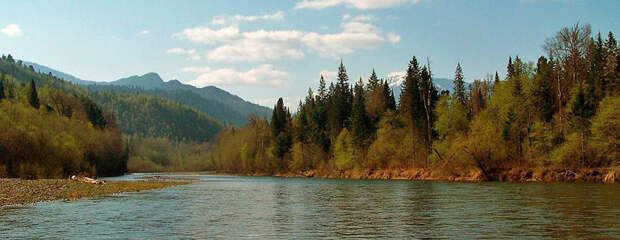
{"type": "Point", "coordinates": [396, 80]}
{"type": "Point", "coordinates": [152, 81]}
{"type": "Point", "coordinates": [68, 77]}
{"type": "Point", "coordinates": [213, 101]}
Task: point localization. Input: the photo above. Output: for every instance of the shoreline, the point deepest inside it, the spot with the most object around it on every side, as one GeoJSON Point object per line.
{"type": "Point", "coordinates": [522, 175]}
{"type": "Point", "coordinates": [19, 192]}
{"type": "Point", "coordinates": [566, 175]}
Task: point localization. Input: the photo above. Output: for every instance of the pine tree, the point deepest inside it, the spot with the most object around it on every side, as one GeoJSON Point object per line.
{"type": "Point", "coordinates": [429, 98]}
{"type": "Point", "coordinates": [411, 104]}
{"type": "Point", "coordinates": [509, 69]}
{"type": "Point", "coordinates": [360, 123]}
{"type": "Point", "coordinates": [340, 104]}
{"type": "Point", "coordinates": [459, 85]}
{"type": "Point", "coordinates": [496, 81]}
{"type": "Point", "coordinates": [2, 96]}
{"type": "Point", "coordinates": [373, 81]}
{"type": "Point", "coordinates": [33, 96]}
{"type": "Point", "coordinates": [542, 93]}
{"type": "Point", "coordinates": [389, 97]}
{"type": "Point", "coordinates": [322, 91]}
{"type": "Point", "coordinates": [280, 132]}
{"type": "Point", "coordinates": [611, 66]}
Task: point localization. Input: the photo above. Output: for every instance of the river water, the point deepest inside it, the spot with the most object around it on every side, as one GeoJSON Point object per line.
{"type": "Point", "coordinates": [273, 208]}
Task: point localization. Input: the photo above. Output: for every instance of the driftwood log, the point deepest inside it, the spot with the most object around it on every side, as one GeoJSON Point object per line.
{"type": "Point", "coordinates": [87, 180]}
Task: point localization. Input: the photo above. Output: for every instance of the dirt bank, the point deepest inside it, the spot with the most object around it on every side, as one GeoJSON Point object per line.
{"type": "Point", "coordinates": [603, 175]}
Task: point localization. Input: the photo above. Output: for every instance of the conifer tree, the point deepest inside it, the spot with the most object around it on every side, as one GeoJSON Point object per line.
{"type": "Point", "coordinates": [611, 66]}
{"type": "Point", "coordinates": [459, 85]}
{"type": "Point", "coordinates": [280, 132]}
{"type": "Point", "coordinates": [33, 96]}
{"type": "Point", "coordinates": [373, 81]}
{"type": "Point", "coordinates": [542, 92]}
{"type": "Point", "coordinates": [360, 123]}
{"type": "Point", "coordinates": [388, 94]}
{"type": "Point", "coordinates": [509, 69]}
{"type": "Point", "coordinates": [322, 91]}
{"type": "Point", "coordinates": [340, 104]}
{"type": "Point", "coordinates": [2, 96]}
{"type": "Point", "coordinates": [496, 81]}
{"type": "Point", "coordinates": [411, 104]}
{"type": "Point", "coordinates": [429, 98]}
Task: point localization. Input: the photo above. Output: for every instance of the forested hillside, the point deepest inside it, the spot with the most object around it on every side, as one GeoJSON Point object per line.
{"type": "Point", "coordinates": [557, 112]}
{"type": "Point", "coordinates": [49, 129]}
{"type": "Point", "coordinates": [212, 108]}
{"type": "Point", "coordinates": [147, 116]}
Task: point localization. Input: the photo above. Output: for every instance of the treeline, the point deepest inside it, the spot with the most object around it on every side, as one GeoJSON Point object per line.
{"type": "Point", "coordinates": [558, 112]}
{"type": "Point", "coordinates": [162, 154]}
{"type": "Point", "coordinates": [53, 131]}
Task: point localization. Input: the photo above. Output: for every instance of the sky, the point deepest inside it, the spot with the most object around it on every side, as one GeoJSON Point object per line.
{"type": "Point", "coordinates": [261, 50]}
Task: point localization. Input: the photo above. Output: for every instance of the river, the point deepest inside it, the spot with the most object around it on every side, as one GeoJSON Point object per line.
{"type": "Point", "coordinates": [272, 208]}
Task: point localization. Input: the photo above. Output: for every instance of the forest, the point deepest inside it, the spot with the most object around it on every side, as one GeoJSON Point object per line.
{"type": "Point", "coordinates": [51, 133]}
{"type": "Point", "coordinates": [560, 111]}
{"type": "Point", "coordinates": [51, 128]}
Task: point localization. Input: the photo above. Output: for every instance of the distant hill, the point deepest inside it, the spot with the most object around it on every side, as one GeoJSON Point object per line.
{"type": "Point", "coordinates": [58, 74]}
{"type": "Point", "coordinates": [152, 81]}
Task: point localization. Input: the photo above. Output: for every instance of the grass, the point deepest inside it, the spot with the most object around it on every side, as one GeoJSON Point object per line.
{"type": "Point", "coordinates": [19, 192]}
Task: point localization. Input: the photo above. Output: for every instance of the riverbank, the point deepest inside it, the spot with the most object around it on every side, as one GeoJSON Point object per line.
{"type": "Point", "coordinates": [599, 175]}
{"type": "Point", "coordinates": [19, 192]}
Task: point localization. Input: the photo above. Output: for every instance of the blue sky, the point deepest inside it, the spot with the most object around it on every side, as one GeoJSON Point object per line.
{"type": "Point", "coordinates": [260, 50]}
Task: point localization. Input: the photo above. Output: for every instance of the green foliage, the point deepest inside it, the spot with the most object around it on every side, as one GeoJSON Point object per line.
{"type": "Point", "coordinates": [451, 117]}
{"type": "Point", "coordinates": [344, 155]}
{"type": "Point", "coordinates": [38, 144]}
{"type": "Point", "coordinates": [606, 132]}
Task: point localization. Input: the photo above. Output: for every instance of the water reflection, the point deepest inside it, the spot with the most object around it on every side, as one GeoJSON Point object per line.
{"type": "Point", "coordinates": [264, 207]}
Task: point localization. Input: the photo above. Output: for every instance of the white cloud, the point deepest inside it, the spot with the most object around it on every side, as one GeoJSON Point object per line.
{"type": "Point", "coordinates": [209, 36]}
{"type": "Point", "coordinates": [263, 75]}
{"type": "Point", "coordinates": [324, 27]}
{"type": "Point", "coordinates": [359, 18]}
{"type": "Point", "coordinates": [357, 4]}
{"type": "Point", "coordinates": [393, 37]}
{"type": "Point", "coordinates": [191, 53]}
{"type": "Point", "coordinates": [144, 32]}
{"type": "Point", "coordinates": [264, 45]}
{"type": "Point", "coordinates": [260, 45]}
{"type": "Point", "coordinates": [356, 35]}
{"type": "Point", "coordinates": [228, 19]}
{"type": "Point", "coordinates": [12, 30]}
